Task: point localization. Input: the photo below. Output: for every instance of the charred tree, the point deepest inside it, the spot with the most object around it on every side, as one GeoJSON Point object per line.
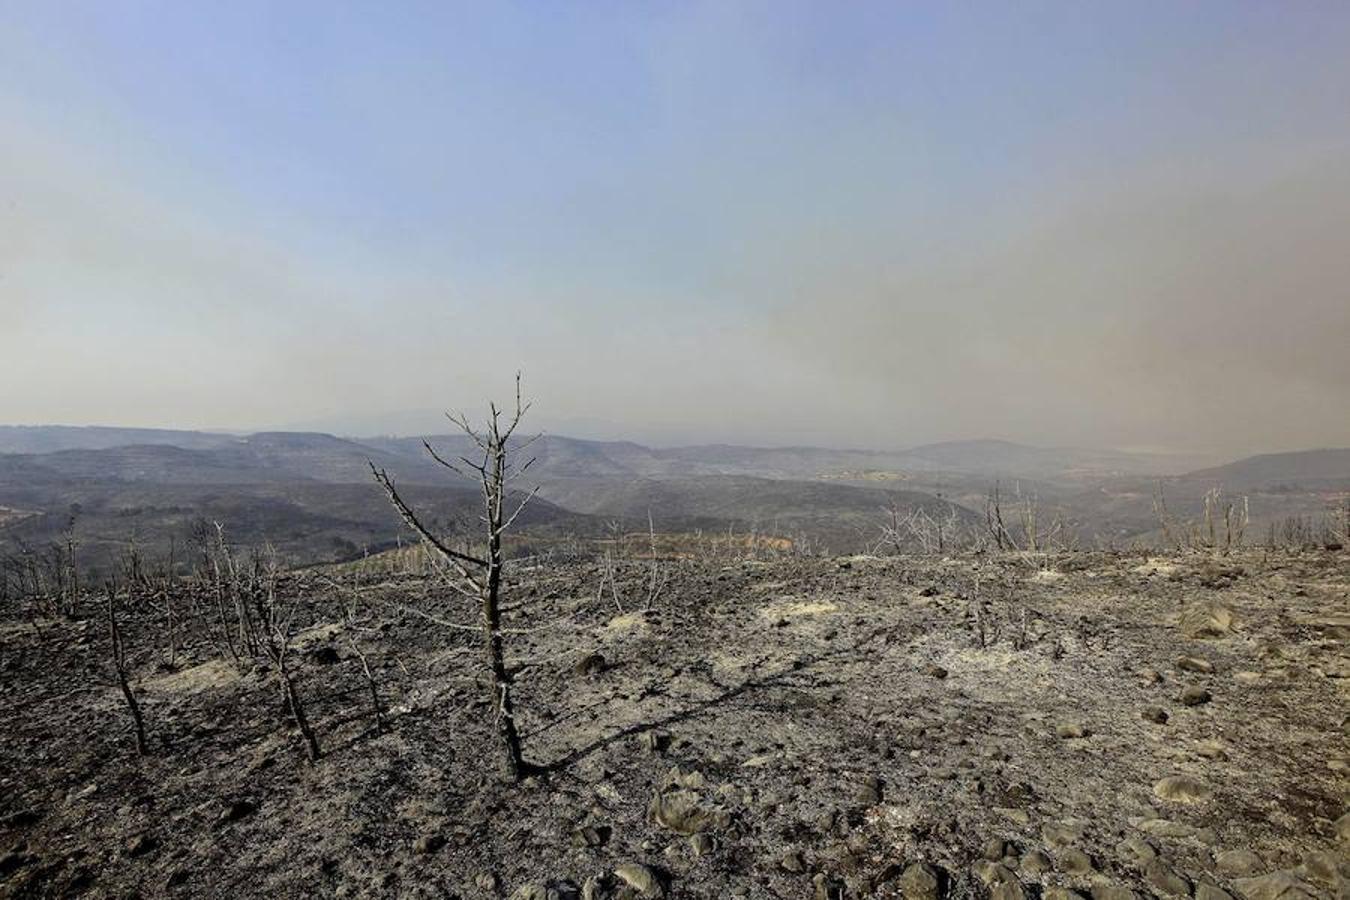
{"type": "Point", "coordinates": [480, 575]}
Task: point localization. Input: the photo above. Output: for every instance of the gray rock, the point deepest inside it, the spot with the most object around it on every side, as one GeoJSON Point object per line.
{"type": "Point", "coordinates": [655, 742]}
{"type": "Point", "coordinates": [827, 887]}
{"type": "Point", "coordinates": [1342, 828]}
{"type": "Point", "coordinates": [1275, 886]}
{"type": "Point", "coordinates": [1137, 850]}
{"type": "Point", "coordinates": [1071, 730]}
{"type": "Point", "coordinates": [1007, 890]}
{"type": "Point", "coordinates": [640, 878]}
{"type": "Point", "coordinates": [1207, 619]}
{"type": "Point", "coordinates": [140, 845]}
{"type": "Point", "coordinates": [1319, 865]}
{"type": "Point", "coordinates": [590, 836]}
{"type": "Point", "coordinates": [1166, 880]}
{"type": "Point", "coordinates": [1155, 714]}
{"type": "Point", "coordinates": [1106, 891]}
{"type": "Point", "coordinates": [1182, 789]}
{"type": "Point", "coordinates": [792, 861]}
{"type": "Point", "coordinates": [869, 791]}
{"type": "Point", "coordinates": [1062, 834]}
{"type": "Point", "coordinates": [994, 849]}
{"type": "Point", "coordinates": [1238, 862]}
{"type": "Point", "coordinates": [428, 843]}
{"type": "Point", "coordinates": [701, 844]}
{"type": "Point", "coordinates": [236, 810]}
{"type": "Point", "coordinates": [590, 664]}
{"type": "Point", "coordinates": [1194, 664]}
{"type": "Point", "coordinates": [1035, 863]}
{"type": "Point", "coordinates": [1075, 862]}
{"type": "Point", "coordinates": [684, 813]}
{"type": "Point", "coordinates": [920, 881]}
{"type": "Point", "coordinates": [1206, 891]}
{"type": "Point", "coordinates": [1195, 696]}
{"type": "Point", "coordinates": [992, 873]}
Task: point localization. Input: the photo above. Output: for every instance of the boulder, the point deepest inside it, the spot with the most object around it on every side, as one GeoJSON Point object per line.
{"type": "Point", "coordinates": [1182, 789]}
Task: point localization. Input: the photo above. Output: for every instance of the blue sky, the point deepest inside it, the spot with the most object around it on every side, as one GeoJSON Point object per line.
{"type": "Point", "coordinates": [871, 224]}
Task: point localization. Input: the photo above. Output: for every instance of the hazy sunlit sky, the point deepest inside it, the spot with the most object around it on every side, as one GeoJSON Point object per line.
{"type": "Point", "coordinates": [842, 224]}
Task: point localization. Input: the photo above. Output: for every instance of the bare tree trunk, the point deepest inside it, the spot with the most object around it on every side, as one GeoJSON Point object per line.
{"type": "Point", "coordinates": [370, 684]}
{"type": "Point", "coordinates": [513, 766]}
{"type": "Point", "coordinates": [119, 657]}
{"type": "Point", "coordinates": [297, 711]}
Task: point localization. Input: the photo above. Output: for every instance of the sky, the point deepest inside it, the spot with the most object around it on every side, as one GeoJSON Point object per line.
{"type": "Point", "coordinates": [864, 225]}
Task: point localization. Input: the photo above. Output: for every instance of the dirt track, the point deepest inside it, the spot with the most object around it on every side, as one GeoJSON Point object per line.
{"type": "Point", "coordinates": [792, 728]}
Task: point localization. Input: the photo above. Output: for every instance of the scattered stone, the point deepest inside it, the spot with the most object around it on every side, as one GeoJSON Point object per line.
{"type": "Point", "coordinates": [992, 873]}
{"type": "Point", "coordinates": [1206, 891]}
{"type": "Point", "coordinates": [1207, 619]}
{"type": "Point", "coordinates": [1167, 828]}
{"type": "Point", "coordinates": [326, 655]}
{"type": "Point", "coordinates": [1062, 834]}
{"type": "Point", "coordinates": [1151, 676]}
{"type": "Point", "coordinates": [1035, 863]}
{"type": "Point", "coordinates": [827, 887]}
{"type": "Point", "coordinates": [140, 845]}
{"type": "Point", "coordinates": [1155, 714]}
{"type": "Point", "coordinates": [1211, 749]}
{"type": "Point", "coordinates": [869, 791]}
{"type": "Point", "coordinates": [701, 844]}
{"type": "Point", "coordinates": [1275, 886]}
{"type": "Point", "coordinates": [595, 887]}
{"type": "Point", "coordinates": [1137, 849]}
{"type": "Point", "coordinates": [1194, 664]}
{"type": "Point", "coordinates": [1195, 696]}
{"type": "Point", "coordinates": [792, 862]}
{"type": "Point", "coordinates": [1007, 890]}
{"type": "Point", "coordinates": [933, 670]}
{"type": "Point", "coordinates": [1238, 862]}
{"type": "Point", "coordinates": [1342, 828]}
{"type": "Point", "coordinates": [486, 881]}
{"type": "Point", "coordinates": [1182, 789]}
{"type": "Point", "coordinates": [1106, 891]}
{"type": "Point", "coordinates": [1165, 879]}
{"type": "Point", "coordinates": [1319, 865]}
{"type": "Point", "coordinates": [682, 812]}
{"type": "Point", "coordinates": [1070, 730]}
{"type": "Point", "coordinates": [1061, 893]}
{"type": "Point", "coordinates": [590, 836]}
{"type": "Point", "coordinates": [640, 878]}
{"type": "Point", "coordinates": [655, 742]}
{"type": "Point", "coordinates": [429, 843]}
{"type": "Point", "coordinates": [236, 810]}
{"type": "Point", "coordinates": [590, 664]}
{"type": "Point", "coordinates": [24, 818]}
{"type": "Point", "coordinates": [994, 849]}
{"type": "Point", "coordinates": [920, 881]}
{"type": "Point", "coordinates": [1075, 862]}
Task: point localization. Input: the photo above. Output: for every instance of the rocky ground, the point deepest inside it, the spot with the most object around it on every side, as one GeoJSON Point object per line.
{"type": "Point", "coordinates": [1080, 725]}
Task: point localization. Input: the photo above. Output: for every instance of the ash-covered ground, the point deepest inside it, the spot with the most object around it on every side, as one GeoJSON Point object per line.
{"type": "Point", "coordinates": [1085, 724]}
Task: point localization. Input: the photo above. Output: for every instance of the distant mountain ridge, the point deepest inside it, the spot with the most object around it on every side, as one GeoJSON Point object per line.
{"type": "Point", "coordinates": [1327, 466]}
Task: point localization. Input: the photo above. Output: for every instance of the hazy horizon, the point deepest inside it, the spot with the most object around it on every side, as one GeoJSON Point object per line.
{"type": "Point", "coordinates": [1120, 226]}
